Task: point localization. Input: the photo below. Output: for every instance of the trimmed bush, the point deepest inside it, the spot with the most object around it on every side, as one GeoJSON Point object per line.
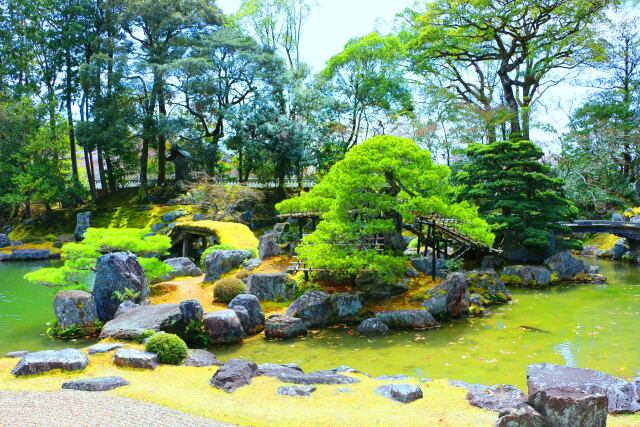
{"type": "Point", "coordinates": [227, 289]}
{"type": "Point", "coordinates": [169, 347]}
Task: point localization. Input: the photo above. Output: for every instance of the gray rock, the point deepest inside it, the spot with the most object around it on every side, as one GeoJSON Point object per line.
{"type": "Point", "coordinates": [617, 217]}
{"type": "Point", "coordinates": [172, 216]}
{"type": "Point", "coordinates": [83, 222]}
{"type": "Point", "coordinates": [75, 308]}
{"type": "Point", "coordinates": [157, 227]}
{"type": "Point", "coordinates": [425, 265]}
{"type": "Point", "coordinates": [268, 246]}
{"type": "Point", "coordinates": [103, 348]}
{"type": "Point", "coordinates": [130, 358]}
{"type": "Point", "coordinates": [95, 384]}
{"type": "Point", "coordinates": [132, 323]}
{"type": "Point", "coordinates": [346, 307]}
{"type": "Point", "coordinates": [28, 255]}
{"type": "Point", "coordinates": [292, 390]}
{"type": "Point", "coordinates": [249, 311]}
{"type": "Point", "coordinates": [271, 287]}
{"type": "Point", "coordinates": [373, 326]}
{"type": "Point", "coordinates": [520, 416]}
{"type": "Point", "coordinates": [4, 240]}
{"type": "Point", "coordinates": [273, 370]}
{"type": "Point", "coordinates": [200, 359]}
{"type": "Point", "coordinates": [316, 378]}
{"type": "Point", "coordinates": [619, 248]}
{"type": "Point", "coordinates": [491, 262]}
{"type": "Point", "coordinates": [284, 327]}
{"type": "Point", "coordinates": [43, 361]}
{"type": "Point", "coordinates": [234, 374]}
{"type": "Point", "coordinates": [314, 308]}
{"type": "Point", "coordinates": [251, 264]}
{"type": "Point", "coordinates": [280, 229]}
{"type": "Point", "coordinates": [191, 310]}
{"type": "Point", "coordinates": [488, 284]}
{"type": "Point", "coordinates": [635, 220]}
{"type": "Point", "coordinates": [475, 299]}
{"type": "Point", "coordinates": [528, 275]}
{"type": "Point", "coordinates": [201, 217]}
{"type": "Point", "coordinates": [125, 306]}
{"type": "Point", "coordinates": [182, 267]}
{"type": "Point", "coordinates": [408, 319]}
{"type": "Point", "coordinates": [117, 272]}
{"type": "Point", "coordinates": [223, 327]}
{"type": "Point", "coordinates": [449, 299]}
{"type": "Point", "coordinates": [404, 393]}
{"type": "Point", "coordinates": [220, 262]}
{"type": "Point", "coordinates": [589, 250]}
{"type": "Point", "coordinates": [622, 395]}
{"type": "Point", "coordinates": [399, 377]}
{"type": "Point", "coordinates": [565, 265]}
{"type": "Point", "coordinates": [566, 407]}
{"type": "Point", "coordinates": [16, 354]}
{"type": "Point", "coordinates": [373, 286]}
{"type": "Point", "coordinates": [494, 398]}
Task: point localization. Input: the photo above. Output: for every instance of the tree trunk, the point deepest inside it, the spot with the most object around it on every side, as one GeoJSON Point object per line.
{"type": "Point", "coordinates": [162, 138]}
{"type": "Point", "coordinates": [512, 104]}
{"type": "Point", "coordinates": [103, 176]}
{"type": "Point", "coordinates": [72, 134]}
{"type": "Point", "coordinates": [112, 180]}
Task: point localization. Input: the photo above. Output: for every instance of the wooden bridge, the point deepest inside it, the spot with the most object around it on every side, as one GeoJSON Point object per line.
{"type": "Point", "coordinates": [628, 230]}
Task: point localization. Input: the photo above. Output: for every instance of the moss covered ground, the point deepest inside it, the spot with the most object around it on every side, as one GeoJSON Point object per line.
{"type": "Point", "coordinates": [604, 241]}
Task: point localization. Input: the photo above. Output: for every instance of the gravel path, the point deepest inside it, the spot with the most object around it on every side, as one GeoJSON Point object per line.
{"type": "Point", "coordinates": [76, 408]}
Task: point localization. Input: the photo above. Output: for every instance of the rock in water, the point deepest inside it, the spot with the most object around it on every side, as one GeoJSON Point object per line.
{"type": "Point", "coordinates": [48, 360]}
{"type": "Point", "coordinates": [292, 390]}
{"type": "Point", "coordinates": [83, 222]}
{"type": "Point", "coordinates": [75, 308]}
{"type": "Point", "coordinates": [284, 327]}
{"type": "Point", "coordinates": [565, 266]}
{"type": "Point", "coordinates": [182, 267]}
{"type": "Point", "coordinates": [526, 275]}
{"type": "Point", "coordinates": [488, 284]}
{"type": "Point", "coordinates": [346, 307]}
{"type": "Point", "coordinates": [449, 299]}
{"type": "Point", "coordinates": [622, 395]}
{"type": "Point", "coordinates": [219, 262]}
{"type": "Point", "coordinates": [520, 416]}
{"type": "Point", "coordinates": [130, 358]}
{"type": "Point", "coordinates": [103, 348]}
{"type": "Point", "coordinates": [268, 246]}
{"type": "Point", "coordinates": [273, 370]}
{"type": "Point", "coordinates": [374, 286]}
{"type": "Point", "coordinates": [313, 308]}
{"type": "Point", "coordinates": [405, 393]}
{"type": "Point", "coordinates": [234, 374]}
{"type": "Point", "coordinates": [373, 326]}
{"type": "Point", "coordinates": [132, 323]}
{"type": "Point", "coordinates": [200, 359]}
{"type": "Point", "coordinates": [223, 327]}
{"type": "Point", "coordinates": [95, 384]}
{"type": "Point", "coordinates": [271, 287]}
{"type": "Point", "coordinates": [408, 319]}
{"type": "Point", "coordinates": [249, 311]}
{"type": "Point", "coordinates": [565, 407]}
{"type": "Point", "coordinates": [117, 272]}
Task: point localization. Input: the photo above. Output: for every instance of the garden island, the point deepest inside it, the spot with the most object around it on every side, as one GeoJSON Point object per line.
{"type": "Point", "coordinates": [436, 224]}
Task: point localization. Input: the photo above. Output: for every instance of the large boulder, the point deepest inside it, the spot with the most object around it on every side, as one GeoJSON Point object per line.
{"type": "Point", "coordinates": [234, 374]}
{"type": "Point", "coordinates": [4, 240]}
{"type": "Point", "coordinates": [404, 393]}
{"type": "Point", "coordinates": [449, 299]}
{"type": "Point", "coordinates": [566, 407]}
{"type": "Point", "coordinates": [220, 262]}
{"type": "Point", "coordinates": [622, 395]}
{"type": "Point", "coordinates": [201, 358]}
{"type": "Point", "coordinates": [191, 310]}
{"type": "Point", "coordinates": [424, 265]}
{"type": "Point", "coordinates": [620, 247]}
{"type": "Point", "coordinates": [44, 361]}
{"type": "Point", "coordinates": [131, 358]}
{"type": "Point", "coordinates": [408, 319]}
{"type": "Point", "coordinates": [565, 266]}
{"type": "Point", "coordinates": [75, 308]}
{"type": "Point", "coordinates": [373, 326]}
{"type": "Point", "coordinates": [374, 286]}
{"type": "Point", "coordinates": [314, 308]}
{"type": "Point", "coordinates": [494, 398]}
{"type": "Point", "coordinates": [526, 275]}
{"type": "Point", "coordinates": [132, 323]}
{"type": "Point", "coordinates": [273, 370]}
{"type": "Point", "coordinates": [617, 217]}
{"type": "Point", "coordinates": [271, 287]}
{"type": "Point", "coordinates": [284, 327]}
{"type": "Point", "coordinates": [182, 266]}
{"type": "Point", "coordinates": [346, 307]}
{"type": "Point", "coordinates": [117, 272]}
{"type": "Point", "coordinates": [520, 416]}
{"type": "Point", "coordinates": [223, 327]}
{"type": "Point", "coordinates": [268, 246]}
{"type": "Point", "coordinates": [95, 384]}
{"type": "Point", "coordinates": [249, 311]}
{"type": "Point", "coordinates": [488, 284]}
{"type": "Point", "coordinates": [83, 222]}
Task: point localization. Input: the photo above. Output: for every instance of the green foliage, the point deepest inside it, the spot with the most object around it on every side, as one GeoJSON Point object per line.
{"type": "Point", "coordinates": [154, 269]}
{"type": "Point", "coordinates": [195, 333]}
{"type": "Point", "coordinates": [228, 288]}
{"type": "Point", "coordinates": [170, 348]}
{"type": "Point", "coordinates": [145, 334]}
{"type": "Point", "coordinates": [73, 331]}
{"type": "Point", "coordinates": [516, 192]}
{"type": "Point", "coordinates": [126, 295]}
{"type": "Point", "coordinates": [451, 265]}
{"type": "Point", "coordinates": [380, 184]}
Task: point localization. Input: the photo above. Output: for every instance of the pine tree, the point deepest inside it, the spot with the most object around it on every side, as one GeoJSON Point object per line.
{"type": "Point", "coordinates": [517, 193]}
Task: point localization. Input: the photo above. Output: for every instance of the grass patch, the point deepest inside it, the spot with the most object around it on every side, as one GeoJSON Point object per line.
{"type": "Point", "coordinates": [603, 241]}
{"type": "Point", "coordinates": [232, 234]}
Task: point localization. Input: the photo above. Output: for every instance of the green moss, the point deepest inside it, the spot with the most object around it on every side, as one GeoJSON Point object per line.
{"type": "Point", "coordinates": [228, 288]}
{"type": "Point", "coordinates": [154, 269]}
{"type": "Point", "coordinates": [170, 348]}
{"type": "Point", "coordinates": [511, 280]}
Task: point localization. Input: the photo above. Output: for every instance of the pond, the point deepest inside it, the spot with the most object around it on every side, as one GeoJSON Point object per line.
{"type": "Point", "coordinates": [591, 326]}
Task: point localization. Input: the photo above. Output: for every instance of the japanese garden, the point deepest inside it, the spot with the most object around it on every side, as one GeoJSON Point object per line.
{"type": "Point", "coordinates": [288, 212]}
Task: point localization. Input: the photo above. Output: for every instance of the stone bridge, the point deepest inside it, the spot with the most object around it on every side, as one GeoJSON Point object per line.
{"type": "Point", "coordinates": [627, 230]}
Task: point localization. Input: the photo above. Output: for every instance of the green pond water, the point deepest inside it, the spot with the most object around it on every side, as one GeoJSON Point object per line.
{"type": "Point", "coordinates": [591, 326]}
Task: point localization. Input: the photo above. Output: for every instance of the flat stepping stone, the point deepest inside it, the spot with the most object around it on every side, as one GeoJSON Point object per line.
{"type": "Point", "coordinates": [103, 348]}
{"type": "Point", "coordinates": [95, 384]}
{"type": "Point", "coordinates": [273, 369]}
{"type": "Point", "coordinates": [200, 359]}
{"type": "Point", "coordinates": [130, 358]}
{"type": "Point", "coordinates": [234, 374]}
{"type": "Point", "coordinates": [43, 361]}
{"type": "Point", "coordinates": [16, 354]}
{"type": "Point", "coordinates": [404, 393]}
{"type": "Point", "coordinates": [316, 378]}
{"type": "Point", "coordinates": [292, 390]}
{"type": "Point", "coordinates": [400, 377]}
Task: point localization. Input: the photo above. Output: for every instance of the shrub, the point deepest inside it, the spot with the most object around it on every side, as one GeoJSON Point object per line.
{"type": "Point", "coordinates": [126, 295]}
{"type": "Point", "coordinates": [170, 348]}
{"type": "Point", "coordinates": [227, 289]}
{"type": "Point", "coordinates": [196, 334]}
{"type": "Point", "coordinates": [145, 334]}
{"type": "Point", "coordinates": [154, 269]}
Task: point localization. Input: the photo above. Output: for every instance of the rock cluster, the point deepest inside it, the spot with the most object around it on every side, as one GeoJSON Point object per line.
{"type": "Point", "coordinates": [223, 261]}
